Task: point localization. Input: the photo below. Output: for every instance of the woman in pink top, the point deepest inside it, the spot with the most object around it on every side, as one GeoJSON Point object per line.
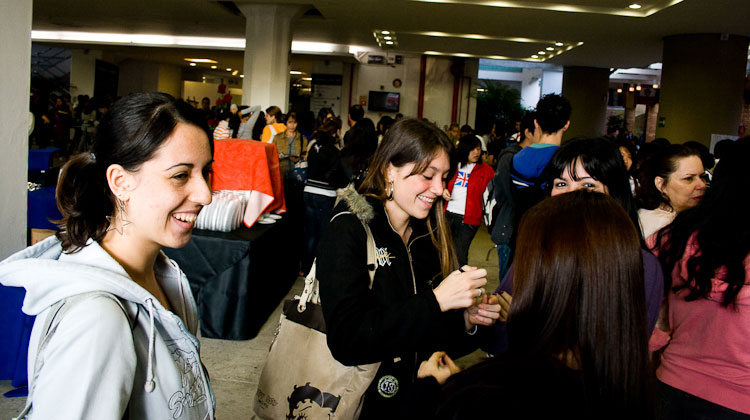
{"type": "Point", "coordinates": [705, 366]}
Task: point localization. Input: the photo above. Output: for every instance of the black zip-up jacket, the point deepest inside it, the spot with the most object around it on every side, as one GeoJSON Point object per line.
{"type": "Point", "coordinates": [398, 322]}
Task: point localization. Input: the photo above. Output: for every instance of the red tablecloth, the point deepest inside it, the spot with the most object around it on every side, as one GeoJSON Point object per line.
{"type": "Point", "coordinates": [249, 165]}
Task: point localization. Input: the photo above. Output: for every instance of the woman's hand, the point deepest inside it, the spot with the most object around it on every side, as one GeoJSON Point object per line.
{"type": "Point", "coordinates": [439, 366]}
{"type": "Point", "coordinates": [505, 299]}
{"type": "Point", "coordinates": [447, 195]}
{"type": "Point", "coordinates": [460, 289]}
{"type": "Point", "coordinates": [486, 311]}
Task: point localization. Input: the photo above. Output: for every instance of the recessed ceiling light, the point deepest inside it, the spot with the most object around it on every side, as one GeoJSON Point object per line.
{"type": "Point", "coordinates": [550, 48]}
{"type": "Point", "coordinates": [385, 32]}
{"type": "Point", "coordinates": [387, 38]}
{"type": "Point", "coordinates": [234, 73]}
{"type": "Point", "coordinates": [619, 90]}
{"type": "Point", "coordinates": [655, 86]}
{"type": "Point", "coordinates": [201, 60]}
{"type": "Point", "coordinates": [559, 44]}
{"type": "Point", "coordinates": [229, 69]}
{"type": "Point", "coordinates": [631, 89]}
{"type": "Point", "coordinates": [242, 76]}
{"type": "Point", "coordinates": [213, 67]}
{"type": "Point", "coordinates": [534, 56]}
{"type": "Point", "coordinates": [542, 52]}
{"type": "Point", "coordinates": [635, 6]}
{"type": "Point", "coordinates": [638, 88]}
{"type": "Point", "coordinates": [193, 64]}
{"type": "Point", "coordinates": [295, 72]}
{"type": "Point", "coordinates": [389, 42]}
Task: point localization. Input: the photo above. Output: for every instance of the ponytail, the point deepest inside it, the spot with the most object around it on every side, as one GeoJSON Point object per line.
{"type": "Point", "coordinates": [85, 201]}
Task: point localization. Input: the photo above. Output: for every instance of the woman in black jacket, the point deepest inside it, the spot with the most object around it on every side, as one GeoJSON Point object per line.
{"type": "Point", "coordinates": [419, 302]}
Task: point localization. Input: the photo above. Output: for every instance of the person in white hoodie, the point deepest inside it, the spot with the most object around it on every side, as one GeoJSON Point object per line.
{"type": "Point", "coordinates": [116, 321]}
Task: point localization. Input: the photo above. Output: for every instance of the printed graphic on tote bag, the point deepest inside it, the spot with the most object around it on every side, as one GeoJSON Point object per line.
{"type": "Point", "coordinates": [309, 402]}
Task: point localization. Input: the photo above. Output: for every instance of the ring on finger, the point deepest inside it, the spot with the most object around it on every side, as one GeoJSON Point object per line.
{"type": "Point", "coordinates": [481, 291]}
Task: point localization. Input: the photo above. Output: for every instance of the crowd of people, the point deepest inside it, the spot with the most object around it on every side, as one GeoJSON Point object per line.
{"type": "Point", "coordinates": [623, 268]}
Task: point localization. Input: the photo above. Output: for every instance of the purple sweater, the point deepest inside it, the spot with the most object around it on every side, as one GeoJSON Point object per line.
{"type": "Point", "coordinates": [497, 341]}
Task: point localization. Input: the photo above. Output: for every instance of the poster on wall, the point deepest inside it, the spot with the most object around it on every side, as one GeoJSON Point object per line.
{"type": "Point", "coordinates": [326, 92]}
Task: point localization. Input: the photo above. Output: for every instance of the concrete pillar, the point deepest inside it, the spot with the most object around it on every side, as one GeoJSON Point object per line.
{"type": "Point", "coordinates": [630, 110]}
{"type": "Point", "coordinates": [586, 89]}
{"type": "Point", "coordinates": [652, 113]}
{"type": "Point", "coordinates": [82, 71]}
{"type": "Point", "coordinates": [268, 34]}
{"type": "Point", "coordinates": [15, 49]}
{"type": "Point", "coordinates": [702, 84]}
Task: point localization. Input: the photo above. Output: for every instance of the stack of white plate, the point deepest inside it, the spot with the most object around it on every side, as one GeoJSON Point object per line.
{"type": "Point", "coordinates": [225, 212]}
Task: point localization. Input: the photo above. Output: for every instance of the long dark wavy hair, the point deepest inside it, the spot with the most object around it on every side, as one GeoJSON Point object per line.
{"type": "Point", "coordinates": [720, 228]}
{"type": "Point", "coordinates": [417, 142]}
{"type": "Point", "coordinates": [129, 135]}
{"type": "Point", "coordinates": [579, 294]}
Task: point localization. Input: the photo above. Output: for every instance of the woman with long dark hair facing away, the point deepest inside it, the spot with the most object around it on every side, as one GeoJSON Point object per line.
{"type": "Point", "coordinates": [576, 328]}
{"type": "Point", "coordinates": [705, 253]}
{"type": "Point", "coordinates": [420, 300]}
{"type": "Point", "coordinates": [464, 194]}
{"type": "Point", "coordinates": [116, 321]}
{"type": "Point", "coordinates": [593, 165]}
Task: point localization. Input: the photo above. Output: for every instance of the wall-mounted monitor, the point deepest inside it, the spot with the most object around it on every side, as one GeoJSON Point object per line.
{"type": "Point", "coordinates": [383, 101]}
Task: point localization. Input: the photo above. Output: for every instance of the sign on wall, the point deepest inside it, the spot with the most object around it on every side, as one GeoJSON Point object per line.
{"type": "Point", "coordinates": [326, 92]}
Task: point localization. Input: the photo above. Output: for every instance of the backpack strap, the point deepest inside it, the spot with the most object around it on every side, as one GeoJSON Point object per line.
{"type": "Point", "coordinates": [311, 292]}
{"type": "Point", "coordinates": [54, 317]}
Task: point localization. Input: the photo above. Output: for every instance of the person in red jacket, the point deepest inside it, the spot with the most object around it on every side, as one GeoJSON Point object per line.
{"type": "Point", "coordinates": [464, 195]}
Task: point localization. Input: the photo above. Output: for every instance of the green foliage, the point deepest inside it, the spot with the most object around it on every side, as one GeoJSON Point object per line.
{"type": "Point", "coordinates": [497, 102]}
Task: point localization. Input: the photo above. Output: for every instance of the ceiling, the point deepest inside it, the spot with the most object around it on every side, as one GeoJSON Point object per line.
{"type": "Point", "coordinates": [599, 33]}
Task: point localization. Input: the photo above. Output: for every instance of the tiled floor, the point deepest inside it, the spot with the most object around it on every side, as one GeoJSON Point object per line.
{"type": "Point", "coordinates": [234, 366]}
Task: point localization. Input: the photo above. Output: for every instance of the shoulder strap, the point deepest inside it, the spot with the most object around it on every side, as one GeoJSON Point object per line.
{"type": "Point", "coordinates": [311, 292]}
{"type": "Point", "coordinates": [54, 317]}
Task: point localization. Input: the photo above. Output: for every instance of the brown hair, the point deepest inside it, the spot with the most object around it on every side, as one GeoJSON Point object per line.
{"type": "Point", "coordinates": [578, 291]}
{"type": "Point", "coordinates": [275, 112]}
{"type": "Point", "coordinates": [129, 135]}
{"type": "Point", "coordinates": [417, 142]}
{"type": "Point", "coordinates": [662, 163]}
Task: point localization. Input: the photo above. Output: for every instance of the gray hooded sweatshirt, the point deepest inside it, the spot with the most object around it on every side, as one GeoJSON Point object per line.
{"type": "Point", "coordinates": [96, 365]}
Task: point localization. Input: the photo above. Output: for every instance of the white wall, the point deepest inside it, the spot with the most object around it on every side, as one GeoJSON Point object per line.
{"type": "Point", "coordinates": [15, 67]}
{"type": "Point", "coordinates": [551, 82]}
{"type": "Point", "coordinates": [380, 77]}
{"type": "Point", "coordinates": [83, 71]}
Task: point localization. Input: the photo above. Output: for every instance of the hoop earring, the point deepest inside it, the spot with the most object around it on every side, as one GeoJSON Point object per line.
{"type": "Point", "coordinates": [118, 222]}
{"type": "Point", "coordinates": [389, 190]}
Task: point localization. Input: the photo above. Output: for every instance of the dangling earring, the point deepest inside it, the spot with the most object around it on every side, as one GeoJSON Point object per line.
{"type": "Point", "coordinates": [389, 190]}
{"type": "Point", "coordinates": [118, 222]}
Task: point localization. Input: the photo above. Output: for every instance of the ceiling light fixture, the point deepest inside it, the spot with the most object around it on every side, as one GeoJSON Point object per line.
{"type": "Point", "coordinates": [193, 64]}
{"type": "Point", "coordinates": [534, 56]}
{"type": "Point", "coordinates": [242, 76]}
{"type": "Point", "coordinates": [631, 89]}
{"type": "Point", "coordinates": [385, 32]}
{"type": "Point", "coordinates": [201, 60]}
{"type": "Point", "coordinates": [542, 52]}
{"type": "Point", "coordinates": [214, 67]}
{"type": "Point", "coordinates": [295, 72]}
{"type": "Point", "coordinates": [638, 88]}
{"type": "Point", "coordinates": [655, 86]}
{"type": "Point", "coordinates": [387, 38]}
{"type": "Point", "coordinates": [619, 90]}
{"type": "Point", "coordinates": [559, 44]}
{"type": "Point", "coordinates": [635, 6]}
{"type": "Point", "coordinates": [234, 73]}
{"type": "Point", "coordinates": [229, 69]}
{"type": "Point", "coordinates": [550, 48]}
{"type": "Point", "coordinates": [389, 42]}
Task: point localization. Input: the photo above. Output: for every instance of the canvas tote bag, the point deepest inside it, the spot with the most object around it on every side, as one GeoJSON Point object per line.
{"type": "Point", "coordinates": [300, 373]}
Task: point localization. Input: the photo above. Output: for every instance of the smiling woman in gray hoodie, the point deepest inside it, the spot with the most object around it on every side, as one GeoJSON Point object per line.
{"type": "Point", "coordinates": [116, 321]}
